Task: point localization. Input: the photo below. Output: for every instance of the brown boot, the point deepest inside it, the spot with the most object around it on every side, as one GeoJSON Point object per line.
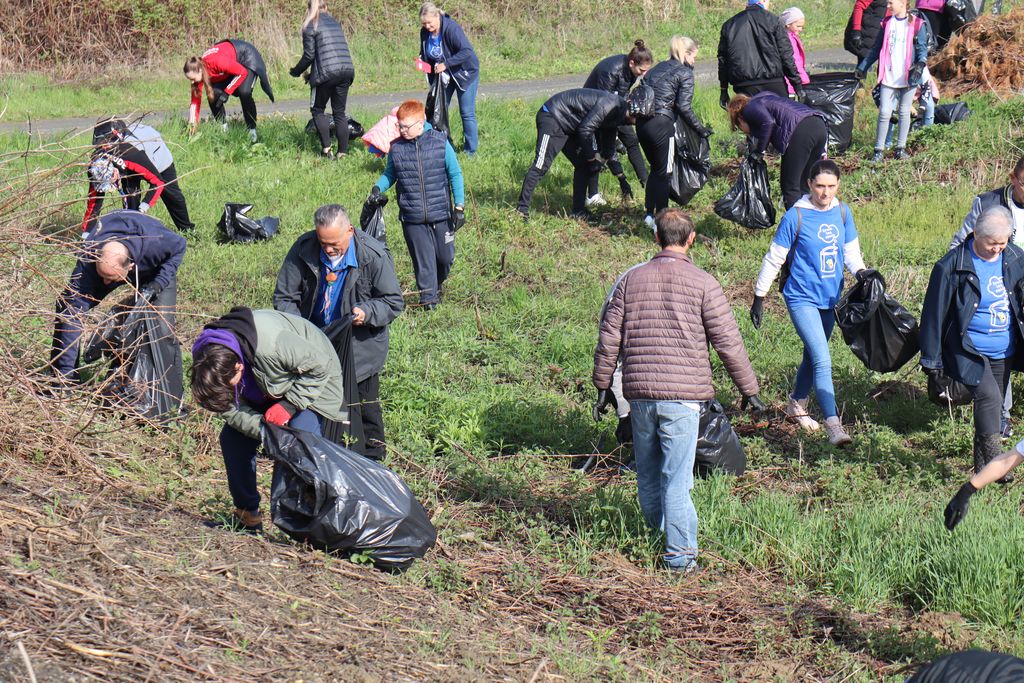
{"type": "Point", "coordinates": [249, 522]}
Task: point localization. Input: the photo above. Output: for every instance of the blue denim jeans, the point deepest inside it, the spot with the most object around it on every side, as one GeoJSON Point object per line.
{"type": "Point", "coordinates": [928, 118]}
{"type": "Point", "coordinates": [665, 444]}
{"type": "Point", "coordinates": [814, 327]}
{"type": "Point", "coordinates": [239, 453]}
{"type": "Point", "coordinates": [467, 110]}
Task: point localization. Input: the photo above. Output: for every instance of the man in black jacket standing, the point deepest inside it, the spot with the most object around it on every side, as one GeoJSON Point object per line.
{"type": "Point", "coordinates": [582, 124]}
{"type": "Point", "coordinates": [754, 54]}
{"type": "Point", "coordinates": [344, 282]}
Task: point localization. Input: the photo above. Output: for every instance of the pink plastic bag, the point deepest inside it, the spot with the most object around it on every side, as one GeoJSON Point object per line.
{"type": "Point", "coordinates": [380, 136]}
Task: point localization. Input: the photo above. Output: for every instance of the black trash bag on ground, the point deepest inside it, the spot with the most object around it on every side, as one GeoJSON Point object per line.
{"type": "Point", "coordinates": [879, 331]}
{"type": "Point", "coordinates": [355, 129]}
{"type": "Point", "coordinates": [959, 13]}
{"type": "Point", "coordinates": [145, 375]}
{"type": "Point", "coordinates": [972, 666]}
{"type": "Point", "coordinates": [371, 219]}
{"type": "Point", "coordinates": [236, 226]}
{"type": "Point", "coordinates": [749, 201]}
{"type": "Point", "coordinates": [834, 95]}
{"type": "Point", "coordinates": [947, 114]}
{"type": "Point", "coordinates": [437, 106]}
{"type": "Point", "coordinates": [718, 447]}
{"type": "Point", "coordinates": [945, 391]}
{"type": "Point", "coordinates": [338, 501]}
{"type": "Point", "coordinates": [692, 164]}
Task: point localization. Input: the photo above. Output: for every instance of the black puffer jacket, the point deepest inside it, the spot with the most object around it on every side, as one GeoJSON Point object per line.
{"type": "Point", "coordinates": [249, 57]}
{"type": "Point", "coordinates": [612, 74]}
{"type": "Point", "coordinates": [754, 48]}
{"type": "Point", "coordinates": [324, 46]}
{"type": "Point", "coordinates": [672, 82]}
{"type": "Point", "coordinates": [589, 115]}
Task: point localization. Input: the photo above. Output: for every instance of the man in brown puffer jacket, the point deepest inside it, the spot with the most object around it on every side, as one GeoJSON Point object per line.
{"type": "Point", "coordinates": [661, 318]}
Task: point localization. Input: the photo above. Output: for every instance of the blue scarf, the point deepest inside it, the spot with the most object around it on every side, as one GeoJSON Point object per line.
{"type": "Point", "coordinates": [332, 284]}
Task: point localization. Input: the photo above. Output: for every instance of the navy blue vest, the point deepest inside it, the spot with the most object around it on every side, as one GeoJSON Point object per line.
{"type": "Point", "coordinates": [423, 194]}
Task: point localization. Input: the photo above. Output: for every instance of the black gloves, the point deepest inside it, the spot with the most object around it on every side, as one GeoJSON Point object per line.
{"type": "Point", "coordinates": [856, 42]}
{"type": "Point", "coordinates": [605, 398]}
{"type": "Point", "coordinates": [757, 311]}
{"type": "Point", "coordinates": [148, 293]}
{"type": "Point", "coordinates": [706, 132]}
{"type": "Point", "coordinates": [295, 72]}
{"type": "Point", "coordinates": [799, 92]}
{"type": "Point", "coordinates": [723, 98]}
{"type": "Point", "coordinates": [376, 198]}
{"type": "Point", "coordinates": [222, 98]}
{"type": "Point", "coordinates": [859, 74]}
{"type": "Point", "coordinates": [755, 157]}
{"type": "Point", "coordinates": [753, 402]}
{"type": "Point", "coordinates": [915, 73]}
{"type": "Point", "coordinates": [627, 191]}
{"type": "Point", "coordinates": [957, 508]}
{"type": "Point", "coordinates": [595, 165]}
{"type": "Point", "coordinates": [865, 274]}
{"type": "Point", "coordinates": [458, 218]}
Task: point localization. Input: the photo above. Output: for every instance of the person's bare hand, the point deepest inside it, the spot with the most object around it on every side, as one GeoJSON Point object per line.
{"type": "Point", "coordinates": [358, 316]}
{"type": "Point", "coordinates": [439, 67]}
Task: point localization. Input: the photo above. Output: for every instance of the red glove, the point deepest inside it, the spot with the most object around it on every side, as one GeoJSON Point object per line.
{"type": "Point", "coordinates": [280, 413]}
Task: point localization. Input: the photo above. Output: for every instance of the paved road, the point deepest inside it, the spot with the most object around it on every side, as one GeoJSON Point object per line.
{"type": "Point", "coordinates": [832, 59]}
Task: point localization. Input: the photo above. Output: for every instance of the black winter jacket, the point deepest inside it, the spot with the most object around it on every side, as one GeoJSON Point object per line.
{"type": "Point", "coordinates": [592, 116]}
{"type": "Point", "coordinates": [612, 74]}
{"type": "Point", "coordinates": [249, 57]}
{"type": "Point", "coordinates": [754, 48]}
{"type": "Point", "coordinates": [372, 286]}
{"type": "Point", "coordinates": [672, 82]}
{"type": "Point", "coordinates": [952, 298]}
{"type": "Point", "coordinates": [324, 46]}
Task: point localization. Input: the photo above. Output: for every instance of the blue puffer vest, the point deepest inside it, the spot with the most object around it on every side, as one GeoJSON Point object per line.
{"type": "Point", "coordinates": [423, 193]}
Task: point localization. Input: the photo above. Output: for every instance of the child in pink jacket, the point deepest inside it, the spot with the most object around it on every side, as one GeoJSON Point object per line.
{"type": "Point", "coordinates": [793, 20]}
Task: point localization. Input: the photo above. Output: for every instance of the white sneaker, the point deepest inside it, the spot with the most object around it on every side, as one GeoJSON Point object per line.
{"type": "Point", "coordinates": [224, 127]}
{"type": "Point", "coordinates": [837, 436]}
{"type": "Point", "coordinates": [649, 222]}
{"type": "Point", "coordinates": [796, 411]}
{"type": "Point", "coordinates": [595, 200]}
{"type": "Point", "coordinates": [252, 135]}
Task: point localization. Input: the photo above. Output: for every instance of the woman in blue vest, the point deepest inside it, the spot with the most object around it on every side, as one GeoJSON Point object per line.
{"type": "Point", "coordinates": [422, 163]}
{"type": "Point", "coordinates": [816, 238]}
{"type": "Point", "coordinates": [444, 45]}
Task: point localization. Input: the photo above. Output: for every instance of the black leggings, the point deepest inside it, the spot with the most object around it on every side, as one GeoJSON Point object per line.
{"type": "Point", "coordinates": [806, 146]}
{"type": "Point", "coordinates": [335, 91]}
{"type": "Point", "coordinates": [989, 395]}
{"type": "Point", "coordinates": [244, 94]}
{"type": "Point", "coordinates": [657, 138]}
{"type": "Point", "coordinates": [172, 197]}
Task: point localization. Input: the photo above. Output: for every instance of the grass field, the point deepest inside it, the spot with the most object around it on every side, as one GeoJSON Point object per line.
{"type": "Point", "coordinates": [824, 564]}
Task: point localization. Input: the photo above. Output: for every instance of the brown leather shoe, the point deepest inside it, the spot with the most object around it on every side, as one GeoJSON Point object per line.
{"type": "Point", "coordinates": [250, 522]}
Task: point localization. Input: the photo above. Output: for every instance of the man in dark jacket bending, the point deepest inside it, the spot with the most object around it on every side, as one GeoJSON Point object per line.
{"type": "Point", "coordinates": [344, 282]}
{"type": "Point", "coordinates": [754, 54]}
{"type": "Point", "coordinates": [660, 320]}
{"type": "Point", "coordinates": [125, 247]}
{"type": "Point", "coordinates": [582, 124]}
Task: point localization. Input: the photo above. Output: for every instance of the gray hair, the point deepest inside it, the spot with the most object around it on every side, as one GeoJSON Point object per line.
{"type": "Point", "coordinates": [329, 214]}
{"type": "Point", "coordinates": [995, 221]}
{"type": "Point", "coordinates": [429, 9]}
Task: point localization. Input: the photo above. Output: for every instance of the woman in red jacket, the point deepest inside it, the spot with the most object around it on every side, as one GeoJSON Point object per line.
{"type": "Point", "coordinates": [230, 67]}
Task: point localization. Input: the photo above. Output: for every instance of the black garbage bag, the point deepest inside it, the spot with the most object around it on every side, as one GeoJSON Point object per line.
{"type": "Point", "coordinates": [145, 376]}
{"type": "Point", "coordinates": [959, 13]}
{"type": "Point", "coordinates": [692, 164]}
{"type": "Point", "coordinates": [834, 95]}
{"type": "Point", "coordinates": [879, 331]}
{"type": "Point", "coordinates": [371, 219]}
{"type": "Point", "coordinates": [947, 114]}
{"type": "Point", "coordinates": [338, 501]}
{"type": "Point", "coordinates": [355, 129]}
{"type": "Point", "coordinates": [437, 106]}
{"type": "Point", "coordinates": [972, 666]}
{"type": "Point", "coordinates": [350, 432]}
{"type": "Point", "coordinates": [945, 391]}
{"type": "Point", "coordinates": [236, 226]}
{"type": "Point", "coordinates": [718, 447]}
{"type": "Point", "coordinates": [749, 201]}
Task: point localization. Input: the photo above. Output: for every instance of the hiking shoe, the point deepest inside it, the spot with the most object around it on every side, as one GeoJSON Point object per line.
{"type": "Point", "coordinates": [901, 153]}
{"type": "Point", "coordinates": [249, 522]}
{"type": "Point", "coordinates": [583, 215]}
{"type": "Point", "coordinates": [796, 411]}
{"type": "Point", "coordinates": [252, 135]}
{"type": "Point", "coordinates": [878, 155]}
{"type": "Point", "coordinates": [327, 153]}
{"type": "Point", "coordinates": [224, 127]}
{"type": "Point", "coordinates": [837, 436]}
{"type": "Point", "coordinates": [595, 200]}
{"type": "Point", "coordinates": [523, 214]}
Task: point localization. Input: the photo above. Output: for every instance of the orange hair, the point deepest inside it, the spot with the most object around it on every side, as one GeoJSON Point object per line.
{"type": "Point", "coordinates": [411, 109]}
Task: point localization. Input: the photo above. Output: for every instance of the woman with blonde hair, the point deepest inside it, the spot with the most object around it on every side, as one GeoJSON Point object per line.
{"type": "Point", "coordinates": [672, 83]}
{"type": "Point", "coordinates": [325, 50]}
{"type": "Point", "coordinates": [445, 47]}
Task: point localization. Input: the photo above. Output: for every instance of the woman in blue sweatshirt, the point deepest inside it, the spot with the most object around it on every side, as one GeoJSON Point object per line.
{"type": "Point", "coordinates": [815, 239]}
{"type": "Point", "coordinates": [445, 47]}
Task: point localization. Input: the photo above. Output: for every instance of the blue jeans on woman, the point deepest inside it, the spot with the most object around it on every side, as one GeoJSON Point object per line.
{"type": "Point", "coordinates": [239, 453]}
{"type": "Point", "coordinates": [467, 110]}
{"type": "Point", "coordinates": [665, 445]}
{"type": "Point", "coordinates": [814, 327]}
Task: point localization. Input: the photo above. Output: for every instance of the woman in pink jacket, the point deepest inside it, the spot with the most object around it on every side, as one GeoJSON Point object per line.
{"type": "Point", "coordinates": [793, 20]}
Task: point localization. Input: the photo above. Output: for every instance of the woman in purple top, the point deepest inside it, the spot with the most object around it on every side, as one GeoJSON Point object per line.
{"type": "Point", "coordinates": [796, 130]}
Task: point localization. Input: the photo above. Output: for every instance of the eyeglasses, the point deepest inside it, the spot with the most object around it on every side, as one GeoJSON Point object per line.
{"type": "Point", "coordinates": [402, 128]}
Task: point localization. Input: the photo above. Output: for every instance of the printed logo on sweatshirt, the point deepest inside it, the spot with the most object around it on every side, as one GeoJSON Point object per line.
{"type": "Point", "coordinates": [829, 255]}
{"type": "Point", "coordinates": [999, 311]}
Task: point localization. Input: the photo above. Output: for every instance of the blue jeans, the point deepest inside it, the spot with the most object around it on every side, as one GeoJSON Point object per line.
{"type": "Point", "coordinates": [927, 119]}
{"type": "Point", "coordinates": [814, 327]}
{"type": "Point", "coordinates": [240, 459]}
{"type": "Point", "coordinates": [665, 444]}
{"type": "Point", "coordinates": [467, 110]}
{"type": "Point", "coordinates": [899, 99]}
